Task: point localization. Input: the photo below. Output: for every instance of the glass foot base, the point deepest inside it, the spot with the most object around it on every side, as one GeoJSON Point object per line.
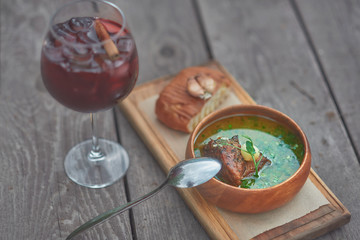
{"type": "Point", "coordinates": [96, 173]}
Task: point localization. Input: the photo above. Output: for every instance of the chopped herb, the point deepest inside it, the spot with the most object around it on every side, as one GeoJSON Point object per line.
{"type": "Point", "coordinates": [251, 150]}
{"type": "Point", "coordinates": [247, 182]}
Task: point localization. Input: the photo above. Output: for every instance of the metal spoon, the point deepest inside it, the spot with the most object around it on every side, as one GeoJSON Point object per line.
{"type": "Point", "coordinates": [186, 174]}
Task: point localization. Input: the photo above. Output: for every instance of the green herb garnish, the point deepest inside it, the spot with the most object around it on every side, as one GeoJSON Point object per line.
{"type": "Point", "coordinates": [251, 150]}
{"type": "Point", "coordinates": [247, 182]}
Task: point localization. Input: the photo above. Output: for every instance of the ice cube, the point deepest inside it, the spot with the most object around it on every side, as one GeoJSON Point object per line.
{"type": "Point", "coordinates": [108, 64]}
{"type": "Point", "coordinates": [92, 36]}
{"type": "Point", "coordinates": [68, 53]}
{"type": "Point", "coordinates": [81, 50]}
{"type": "Point", "coordinates": [82, 37]}
{"type": "Point", "coordinates": [80, 24]}
{"type": "Point", "coordinates": [64, 33]}
{"type": "Point", "coordinates": [99, 50]}
{"type": "Point", "coordinates": [52, 52]}
{"type": "Point", "coordinates": [125, 44]}
{"type": "Point", "coordinates": [70, 37]}
{"type": "Point", "coordinates": [78, 55]}
{"type": "Point", "coordinates": [120, 60]}
{"type": "Point", "coordinates": [67, 27]}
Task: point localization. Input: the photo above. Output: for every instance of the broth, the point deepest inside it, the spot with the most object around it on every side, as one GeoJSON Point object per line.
{"type": "Point", "coordinates": [276, 142]}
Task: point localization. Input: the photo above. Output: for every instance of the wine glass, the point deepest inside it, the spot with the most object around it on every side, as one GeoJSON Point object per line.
{"type": "Point", "coordinates": [89, 62]}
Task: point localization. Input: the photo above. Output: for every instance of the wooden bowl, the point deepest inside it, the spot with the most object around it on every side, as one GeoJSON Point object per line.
{"type": "Point", "coordinates": [253, 200]}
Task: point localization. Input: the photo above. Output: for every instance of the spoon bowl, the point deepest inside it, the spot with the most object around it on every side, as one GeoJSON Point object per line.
{"type": "Point", "coordinates": [193, 172]}
{"type": "Point", "coordinates": [186, 174]}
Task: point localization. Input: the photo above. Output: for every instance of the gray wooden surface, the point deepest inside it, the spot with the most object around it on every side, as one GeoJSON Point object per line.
{"type": "Point", "coordinates": [300, 57]}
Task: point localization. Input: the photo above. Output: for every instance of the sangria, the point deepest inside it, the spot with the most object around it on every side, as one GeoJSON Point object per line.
{"type": "Point", "coordinates": [89, 62]}
{"type": "Point", "coordinates": [81, 74]}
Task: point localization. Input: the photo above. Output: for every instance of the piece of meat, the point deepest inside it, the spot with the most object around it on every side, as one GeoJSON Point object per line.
{"type": "Point", "coordinates": [234, 168]}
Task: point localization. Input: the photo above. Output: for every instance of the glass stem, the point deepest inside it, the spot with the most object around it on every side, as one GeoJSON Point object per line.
{"type": "Point", "coordinates": [95, 154]}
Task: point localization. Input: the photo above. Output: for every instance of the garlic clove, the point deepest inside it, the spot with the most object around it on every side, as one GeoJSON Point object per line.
{"type": "Point", "coordinates": [206, 82]}
{"type": "Point", "coordinates": [194, 88]}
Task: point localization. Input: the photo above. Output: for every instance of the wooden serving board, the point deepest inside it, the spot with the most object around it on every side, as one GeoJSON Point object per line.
{"type": "Point", "coordinates": [218, 223]}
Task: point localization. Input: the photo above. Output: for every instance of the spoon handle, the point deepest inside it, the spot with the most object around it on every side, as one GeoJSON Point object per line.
{"type": "Point", "coordinates": [113, 212]}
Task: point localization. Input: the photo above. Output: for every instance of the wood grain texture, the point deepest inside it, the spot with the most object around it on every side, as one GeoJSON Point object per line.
{"type": "Point", "coordinates": [335, 35]}
{"type": "Point", "coordinates": [38, 200]}
{"type": "Point", "coordinates": [262, 45]}
{"type": "Point", "coordinates": [168, 39]}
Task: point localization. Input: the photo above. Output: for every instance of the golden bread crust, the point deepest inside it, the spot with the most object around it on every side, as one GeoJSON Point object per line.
{"type": "Point", "coordinates": [175, 107]}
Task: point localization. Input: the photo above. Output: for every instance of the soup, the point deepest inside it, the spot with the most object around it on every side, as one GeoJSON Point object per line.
{"type": "Point", "coordinates": [274, 141]}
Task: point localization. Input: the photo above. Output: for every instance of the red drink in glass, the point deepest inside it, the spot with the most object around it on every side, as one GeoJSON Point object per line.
{"type": "Point", "coordinates": [79, 73]}
{"type": "Point", "coordinates": [89, 63]}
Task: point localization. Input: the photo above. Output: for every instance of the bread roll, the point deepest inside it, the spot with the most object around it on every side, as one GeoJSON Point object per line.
{"type": "Point", "coordinates": [191, 95]}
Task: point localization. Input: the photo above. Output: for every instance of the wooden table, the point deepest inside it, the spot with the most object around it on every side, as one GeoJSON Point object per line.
{"type": "Point", "coordinates": [300, 57]}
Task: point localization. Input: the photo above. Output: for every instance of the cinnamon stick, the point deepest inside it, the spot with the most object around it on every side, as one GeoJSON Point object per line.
{"type": "Point", "coordinates": [109, 46]}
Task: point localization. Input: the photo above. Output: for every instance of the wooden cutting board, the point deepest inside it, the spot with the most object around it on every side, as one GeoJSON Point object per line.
{"type": "Point", "coordinates": [218, 223]}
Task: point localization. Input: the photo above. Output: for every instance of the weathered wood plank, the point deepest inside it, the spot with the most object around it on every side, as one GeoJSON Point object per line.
{"type": "Point", "coordinates": [168, 39]}
{"type": "Point", "coordinates": [335, 36]}
{"type": "Point", "coordinates": [38, 200]}
{"type": "Point", "coordinates": [263, 46]}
